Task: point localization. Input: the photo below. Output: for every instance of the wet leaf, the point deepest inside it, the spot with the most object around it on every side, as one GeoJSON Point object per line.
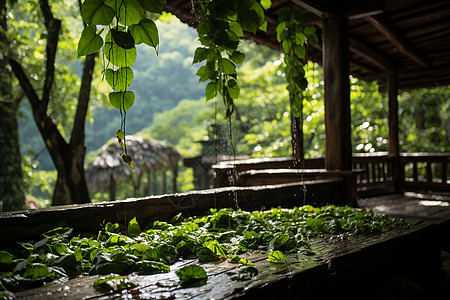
{"type": "Point", "coordinates": [277, 257]}
{"type": "Point", "coordinates": [192, 275]}
{"type": "Point", "coordinates": [112, 283]}
{"type": "Point", "coordinates": [133, 228]}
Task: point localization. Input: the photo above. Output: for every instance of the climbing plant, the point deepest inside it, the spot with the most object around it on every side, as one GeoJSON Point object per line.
{"type": "Point", "coordinates": [294, 39]}
{"type": "Point", "coordinates": [117, 26]}
{"type": "Point", "coordinates": [221, 25]}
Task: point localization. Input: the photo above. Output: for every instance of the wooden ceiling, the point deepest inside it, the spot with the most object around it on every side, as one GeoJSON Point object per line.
{"type": "Point", "coordinates": [411, 37]}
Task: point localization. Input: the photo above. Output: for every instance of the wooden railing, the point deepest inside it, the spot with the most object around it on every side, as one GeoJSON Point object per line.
{"type": "Point", "coordinates": [376, 173]}
{"type": "Point", "coordinates": [425, 171]}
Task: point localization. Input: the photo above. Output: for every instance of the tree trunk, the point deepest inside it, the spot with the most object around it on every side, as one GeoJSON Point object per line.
{"type": "Point", "coordinates": [12, 194]}
{"type": "Point", "coordinates": [68, 158]}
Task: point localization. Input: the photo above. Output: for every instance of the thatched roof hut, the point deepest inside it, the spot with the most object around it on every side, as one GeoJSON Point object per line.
{"type": "Point", "coordinates": [148, 156]}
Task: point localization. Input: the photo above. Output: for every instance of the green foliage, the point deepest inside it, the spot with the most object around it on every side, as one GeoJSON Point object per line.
{"type": "Point", "coordinates": [221, 25]}
{"type": "Point", "coordinates": [221, 235]}
{"type": "Point", "coordinates": [277, 257]}
{"type": "Point", "coordinates": [294, 39]}
{"type": "Point", "coordinates": [112, 283]}
{"type": "Point", "coordinates": [192, 275]}
{"type": "Point", "coordinates": [127, 27]}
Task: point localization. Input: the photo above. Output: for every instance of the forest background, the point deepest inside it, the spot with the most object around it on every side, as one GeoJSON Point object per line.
{"type": "Point", "coordinates": [170, 105]}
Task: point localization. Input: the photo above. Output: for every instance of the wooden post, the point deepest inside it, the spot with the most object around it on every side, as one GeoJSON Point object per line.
{"type": "Point", "coordinates": [337, 93]}
{"type": "Point", "coordinates": [336, 64]}
{"type": "Point", "coordinates": [394, 146]}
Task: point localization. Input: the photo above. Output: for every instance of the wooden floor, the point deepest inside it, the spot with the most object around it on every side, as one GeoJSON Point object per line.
{"type": "Point", "coordinates": [413, 207]}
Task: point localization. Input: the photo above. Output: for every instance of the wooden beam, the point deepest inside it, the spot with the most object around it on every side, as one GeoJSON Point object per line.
{"type": "Point", "coordinates": [321, 8]}
{"type": "Point", "coordinates": [371, 55]}
{"type": "Point", "coordinates": [386, 28]}
{"type": "Point", "coordinates": [356, 9]}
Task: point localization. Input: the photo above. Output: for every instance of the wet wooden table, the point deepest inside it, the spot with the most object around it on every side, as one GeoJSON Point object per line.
{"type": "Point", "coordinates": [354, 268]}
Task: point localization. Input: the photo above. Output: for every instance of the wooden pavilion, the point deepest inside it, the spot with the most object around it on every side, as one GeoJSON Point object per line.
{"type": "Point", "coordinates": [402, 44]}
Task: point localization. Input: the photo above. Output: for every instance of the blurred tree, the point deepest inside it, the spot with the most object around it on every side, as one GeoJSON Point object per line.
{"type": "Point", "coordinates": [12, 194]}
{"type": "Point", "coordinates": [68, 157]}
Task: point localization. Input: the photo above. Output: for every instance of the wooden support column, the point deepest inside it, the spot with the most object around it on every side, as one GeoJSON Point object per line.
{"type": "Point", "coordinates": [337, 93]}
{"type": "Point", "coordinates": [394, 146]}
{"type": "Point", "coordinates": [336, 64]}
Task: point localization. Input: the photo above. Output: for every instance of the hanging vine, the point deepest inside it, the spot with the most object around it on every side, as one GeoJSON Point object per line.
{"type": "Point", "coordinates": [117, 26]}
{"type": "Point", "coordinates": [126, 26]}
{"type": "Point", "coordinates": [221, 25]}
{"type": "Point", "coordinates": [294, 40]}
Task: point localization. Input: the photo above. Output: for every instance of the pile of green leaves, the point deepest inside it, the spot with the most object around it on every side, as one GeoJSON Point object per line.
{"type": "Point", "coordinates": [221, 235]}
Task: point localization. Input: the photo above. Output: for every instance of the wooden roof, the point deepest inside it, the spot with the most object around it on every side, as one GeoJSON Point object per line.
{"type": "Point", "coordinates": [409, 36]}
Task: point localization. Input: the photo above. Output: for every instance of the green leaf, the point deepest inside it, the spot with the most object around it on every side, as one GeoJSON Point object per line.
{"type": "Point", "coordinates": [59, 232]}
{"type": "Point", "coordinates": [210, 90]}
{"type": "Point", "coordinates": [120, 135]}
{"type": "Point", "coordinates": [237, 29]}
{"type": "Point", "coordinates": [279, 240]}
{"type": "Point", "coordinates": [145, 32]}
{"type": "Point", "coordinates": [206, 255]}
{"type": "Point", "coordinates": [300, 51]}
{"type": "Point", "coordinates": [90, 42]}
{"type": "Point", "coordinates": [122, 100]}
{"type": "Point", "coordinates": [238, 57]}
{"type": "Point", "coordinates": [121, 79]}
{"type": "Point", "coordinates": [266, 4]}
{"type": "Point", "coordinates": [133, 228]}
{"type": "Point", "coordinates": [155, 6]}
{"type": "Point", "coordinates": [6, 257]}
{"type": "Point", "coordinates": [215, 247]}
{"type": "Point", "coordinates": [227, 66]}
{"type": "Point", "coordinates": [277, 257]}
{"type": "Point", "coordinates": [129, 11]}
{"type": "Point", "coordinates": [147, 267]}
{"type": "Point", "coordinates": [116, 55]}
{"type": "Point", "coordinates": [200, 54]}
{"type": "Point", "coordinates": [36, 270]}
{"type": "Point", "coordinates": [112, 283]}
{"type": "Point", "coordinates": [299, 38]}
{"type": "Point", "coordinates": [192, 275]}
{"type": "Point", "coordinates": [96, 12]}
{"type": "Point", "coordinates": [123, 39]}
{"type": "Point", "coordinates": [234, 91]}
